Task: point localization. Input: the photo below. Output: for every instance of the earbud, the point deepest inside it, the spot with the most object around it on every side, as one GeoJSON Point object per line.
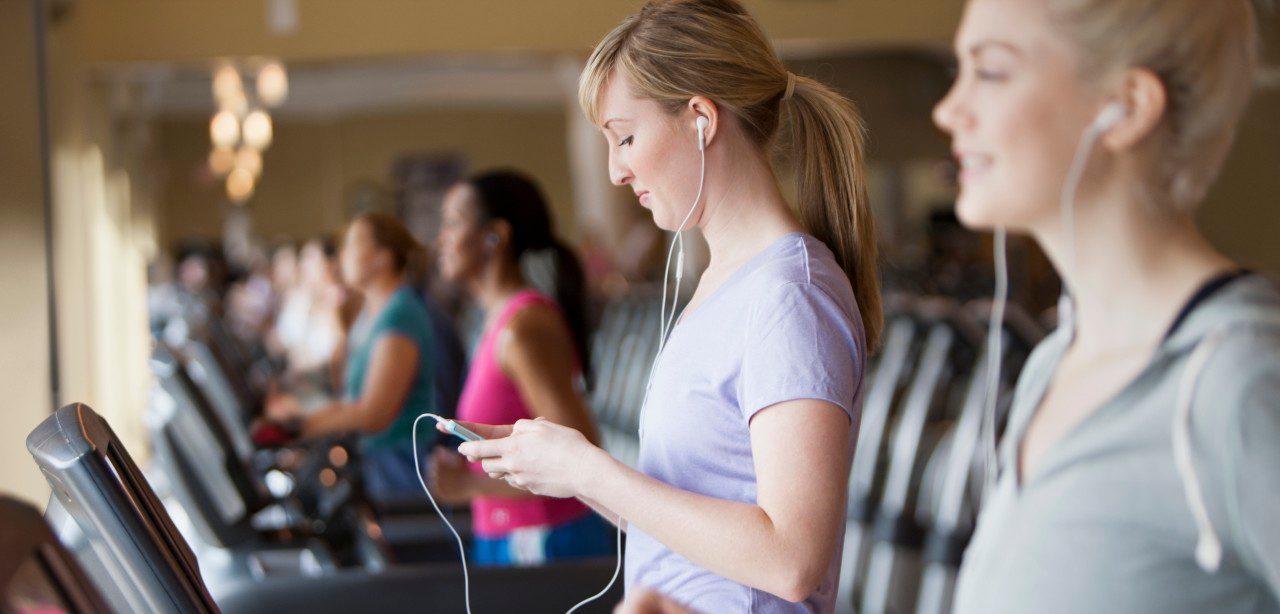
{"type": "Point", "coordinates": [702, 132]}
{"type": "Point", "coordinates": [1109, 117]}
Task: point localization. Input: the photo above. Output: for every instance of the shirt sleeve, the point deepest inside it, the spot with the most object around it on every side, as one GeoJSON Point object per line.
{"type": "Point", "coordinates": [802, 344]}
{"type": "Point", "coordinates": [1253, 468]}
{"type": "Point", "coordinates": [400, 320]}
{"type": "Point", "coordinates": [1236, 424]}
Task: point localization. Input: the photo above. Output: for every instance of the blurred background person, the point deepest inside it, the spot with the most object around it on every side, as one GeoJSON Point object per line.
{"type": "Point", "coordinates": [531, 362]}
{"type": "Point", "coordinates": [387, 371]}
{"type": "Point", "coordinates": [314, 318]}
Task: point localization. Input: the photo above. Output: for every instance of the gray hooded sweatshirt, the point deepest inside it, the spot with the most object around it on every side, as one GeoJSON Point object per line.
{"type": "Point", "coordinates": [1106, 524]}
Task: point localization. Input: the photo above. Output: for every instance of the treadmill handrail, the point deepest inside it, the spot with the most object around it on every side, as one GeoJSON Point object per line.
{"type": "Point", "coordinates": [98, 483]}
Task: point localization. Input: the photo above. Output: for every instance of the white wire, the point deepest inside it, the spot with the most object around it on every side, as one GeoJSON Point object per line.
{"type": "Point", "coordinates": [417, 467]}
{"type": "Point", "coordinates": [616, 570]}
{"type": "Point", "coordinates": [466, 580]}
{"type": "Point", "coordinates": [1068, 203]}
{"type": "Point", "coordinates": [1069, 190]}
{"type": "Point", "coordinates": [663, 328]}
{"type": "Point", "coordinates": [995, 331]}
{"type": "Point", "coordinates": [667, 324]}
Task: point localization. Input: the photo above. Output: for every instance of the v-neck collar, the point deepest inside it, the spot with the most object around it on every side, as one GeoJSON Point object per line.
{"type": "Point", "coordinates": [1065, 337]}
{"type": "Point", "coordinates": [743, 270]}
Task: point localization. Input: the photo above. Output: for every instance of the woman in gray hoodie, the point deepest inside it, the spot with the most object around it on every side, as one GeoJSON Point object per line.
{"type": "Point", "coordinates": [1140, 469]}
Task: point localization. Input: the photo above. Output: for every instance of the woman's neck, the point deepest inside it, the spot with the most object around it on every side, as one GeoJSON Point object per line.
{"type": "Point", "coordinates": [1133, 270]}
{"type": "Point", "coordinates": [497, 282]}
{"type": "Point", "coordinates": [379, 291]}
{"type": "Point", "coordinates": [743, 211]}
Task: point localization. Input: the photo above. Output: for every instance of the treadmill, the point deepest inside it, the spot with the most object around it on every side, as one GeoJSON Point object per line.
{"type": "Point", "coordinates": [133, 540]}
{"type": "Point", "coordinates": [866, 479]}
{"type": "Point", "coordinates": [892, 573]}
{"type": "Point", "coordinates": [129, 539]}
{"type": "Point", "coordinates": [37, 574]}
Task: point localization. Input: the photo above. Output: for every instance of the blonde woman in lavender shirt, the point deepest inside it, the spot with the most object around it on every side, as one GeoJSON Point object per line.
{"type": "Point", "coordinates": [748, 429]}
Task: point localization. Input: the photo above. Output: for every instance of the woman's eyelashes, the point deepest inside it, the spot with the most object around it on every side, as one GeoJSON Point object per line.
{"type": "Point", "coordinates": [991, 75]}
{"type": "Point", "coordinates": [626, 141]}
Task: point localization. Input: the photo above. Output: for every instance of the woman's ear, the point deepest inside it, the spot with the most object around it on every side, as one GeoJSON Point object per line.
{"type": "Point", "coordinates": [497, 235]}
{"type": "Point", "coordinates": [701, 106]}
{"type": "Point", "coordinates": [1144, 96]}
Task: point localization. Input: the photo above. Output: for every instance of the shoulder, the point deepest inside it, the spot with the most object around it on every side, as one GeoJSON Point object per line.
{"type": "Point", "coordinates": [801, 277]}
{"type": "Point", "coordinates": [800, 258]}
{"type": "Point", "coordinates": [1240, 331]}
{"type": "Point", "coordinates": [536, 319]}
{"type": "Point", "coordinates": [405, 303]}
{"type": "Point", "coordinates": [406, 313]}
{"type": "Point", "coordinates": [1242, 377]}
{"type": "Point", "coordinates": [536, 327]}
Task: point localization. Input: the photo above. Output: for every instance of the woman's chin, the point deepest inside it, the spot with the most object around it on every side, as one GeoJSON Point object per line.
{"type": "Point", "coordinates": [664, 224]}
{"type": "Point", "coordinates": [976, 213]}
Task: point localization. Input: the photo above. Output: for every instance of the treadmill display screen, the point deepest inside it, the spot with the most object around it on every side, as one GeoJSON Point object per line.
{"type": "Point", "coordinates": [32, 591]}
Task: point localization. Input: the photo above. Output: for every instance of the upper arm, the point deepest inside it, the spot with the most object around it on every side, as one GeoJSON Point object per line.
{"type": "Point", "coordinates": [801, 450]}
{"type": "Point", "coordinates": [800, 377]}
{"type": "Point", "coordinates": [537, 352]}
{"type": "Point", "coordinates": [1252, 453]}
{"type": "Point", "coordinates": [392, 370]}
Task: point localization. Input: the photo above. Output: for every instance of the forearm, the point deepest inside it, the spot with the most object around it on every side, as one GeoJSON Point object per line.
{"type": "Point", "coordinates": [736, 540]}
{"type": "Point", "coordinates": [334, 418]}
{"type": "Point", "coordinates": [604, 512]}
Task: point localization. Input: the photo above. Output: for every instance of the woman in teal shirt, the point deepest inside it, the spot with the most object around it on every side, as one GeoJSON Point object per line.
{"type": "Point", "coordinates": [388, 371]}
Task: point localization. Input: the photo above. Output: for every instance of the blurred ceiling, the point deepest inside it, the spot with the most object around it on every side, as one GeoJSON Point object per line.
{"type": "Point", "coordinates": [334, 89]}
{"type": "Point", "coordinates": [328, 30]}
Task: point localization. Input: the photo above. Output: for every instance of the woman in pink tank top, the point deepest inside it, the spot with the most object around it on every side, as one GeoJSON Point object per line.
{"type": "Point", "coordinates": [529, 364]}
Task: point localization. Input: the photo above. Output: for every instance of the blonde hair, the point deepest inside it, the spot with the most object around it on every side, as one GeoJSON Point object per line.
{"type": "Point", "coordinates": [1204, 52]}
{"type": "Point", "coordinates": [673, 50]}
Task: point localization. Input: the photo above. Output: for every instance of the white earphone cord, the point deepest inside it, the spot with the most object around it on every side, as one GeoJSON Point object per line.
{"type": "Point", "coordinates": [1001, 297]}
{"type": "Point", "coordinates": [995, 331]}
{"type": "Point", "coordinates": [417, 468]}
{"type": "Point", "coordinates": [665, 325]}
{"type": "Point", "coordinates": [1208, 551]}
{"type": "Point", "coordinates": [666, 329]}
{"type": "Point", "coordinates": [466, 578]}
{"type": "Point", "coordinates": [679, 240]}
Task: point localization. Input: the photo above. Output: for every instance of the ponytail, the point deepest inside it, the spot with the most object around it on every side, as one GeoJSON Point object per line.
{"type": "Point", "coordinates": [673, 50]}
{"type": "Point", "coordinates": [830, 177]}
{"type": "Point", "coordinates": [513, 197]}
{"type": "Point", "coordinates": [571, 295]}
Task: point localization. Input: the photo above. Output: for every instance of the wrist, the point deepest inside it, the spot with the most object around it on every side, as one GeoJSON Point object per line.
{"type": "Point", "coordinates": [597, 465]}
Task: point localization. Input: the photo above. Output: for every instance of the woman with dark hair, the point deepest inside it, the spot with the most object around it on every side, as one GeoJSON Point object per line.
{"type": "Point", "coordinates": [388, 367]}
{"type": "Point", "coordinates": [531, 363]}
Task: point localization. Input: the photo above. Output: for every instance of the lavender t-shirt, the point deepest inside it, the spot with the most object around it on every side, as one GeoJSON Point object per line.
{"type": "Point", "coordinates": [785, 326]}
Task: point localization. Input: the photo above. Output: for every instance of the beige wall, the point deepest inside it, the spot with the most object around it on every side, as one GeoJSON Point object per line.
{"type": "Point", "coordinates": [24, 327]}
{"type": "Point", "coordinates": [1242, 214]}
{"type": "Point", "coordinates": [102, 236]}
{"type": "Point", "coordinates": [312, 164]}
